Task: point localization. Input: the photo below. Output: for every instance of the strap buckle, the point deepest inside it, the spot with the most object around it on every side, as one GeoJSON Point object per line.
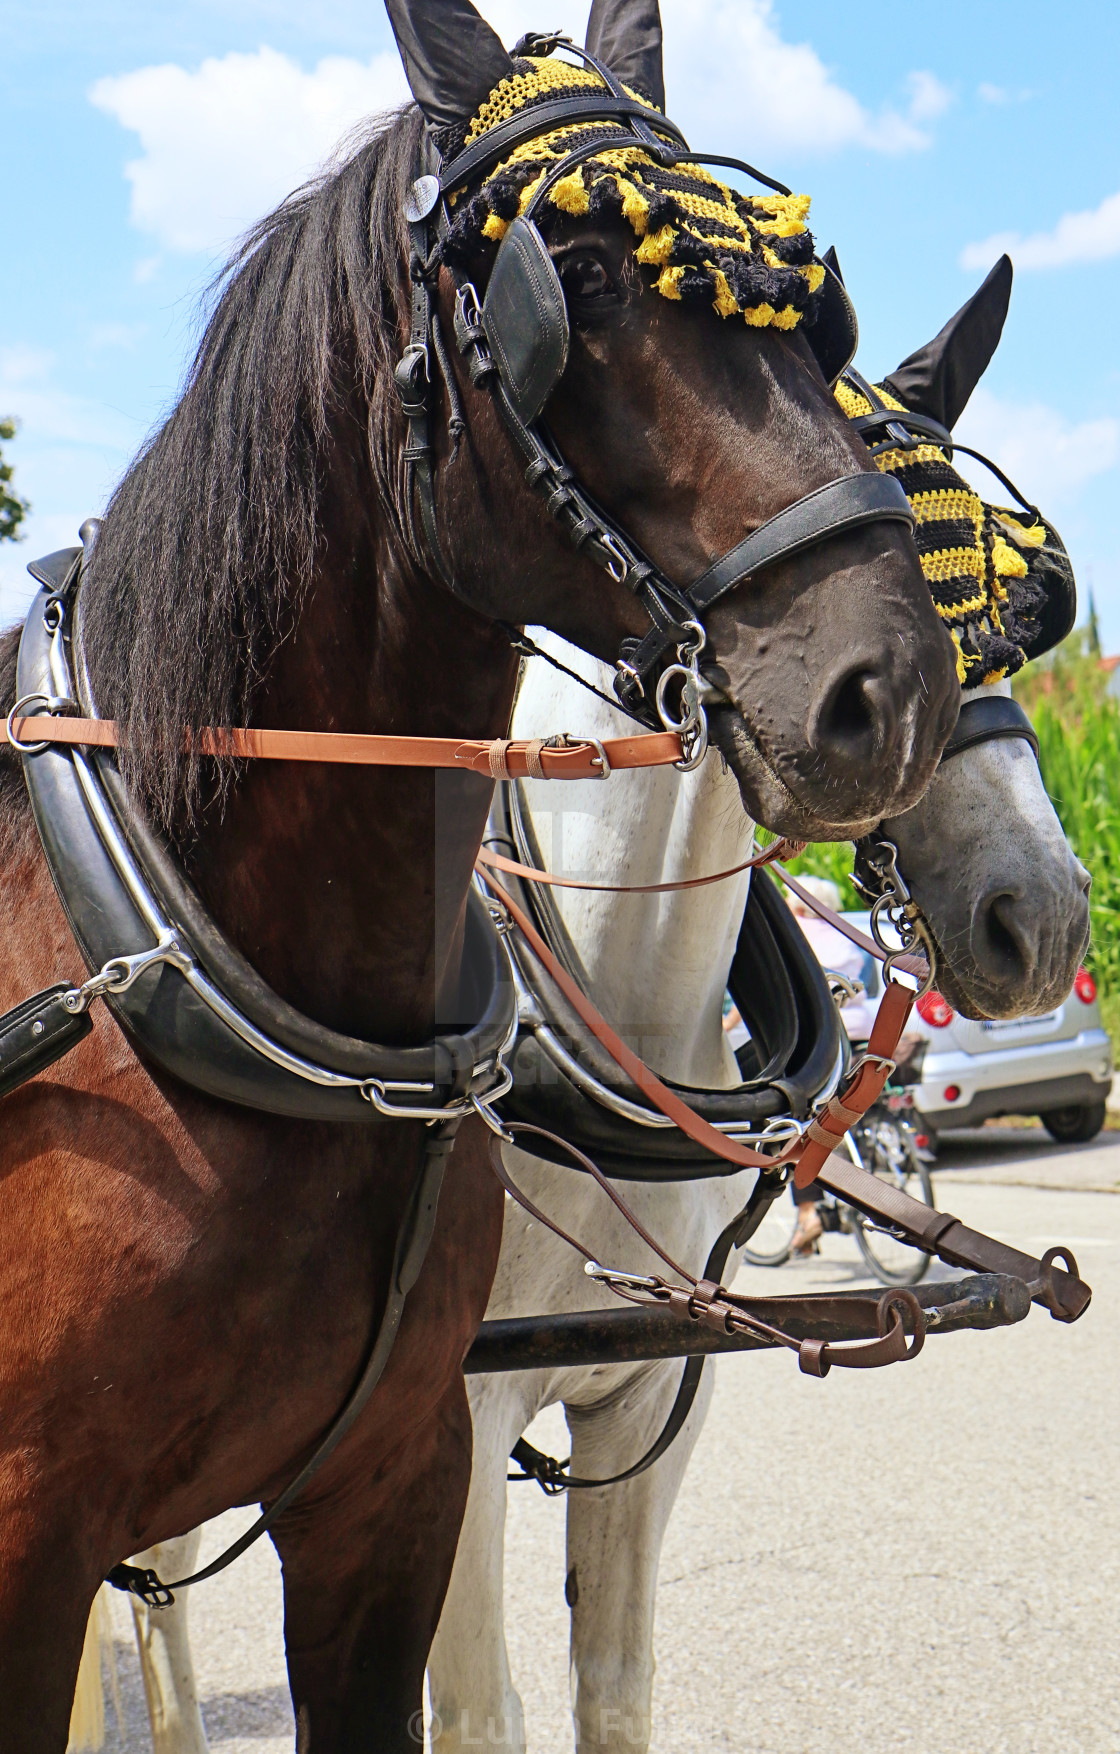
{"type": "Point", "coordinates": [537, 43]}
{"type": "Point", "coordinates": [411, 378]}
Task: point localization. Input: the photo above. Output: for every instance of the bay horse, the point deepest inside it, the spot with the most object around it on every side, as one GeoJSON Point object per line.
{"type": "Point", "coordinates": [189, 1286]}
{"type": "Point", "coordinates": [1005, 901]}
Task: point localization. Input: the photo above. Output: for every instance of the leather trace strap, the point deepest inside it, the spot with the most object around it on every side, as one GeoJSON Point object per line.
{"type": "Point", "coordinates": [553, 1476]}
{"type": "Point", "coordinates": [409, 1253]}
{"type": "Point", "coordinates": [1060, 1291]}
{"type": "Point", "coordinates": [555, 758]}
{"type": "Point", "coordinates": [705, 1300]}
{"type": "Point", "coordinates": [655, 1092]}
{"type": "Point", "coordinates": [779, 849]}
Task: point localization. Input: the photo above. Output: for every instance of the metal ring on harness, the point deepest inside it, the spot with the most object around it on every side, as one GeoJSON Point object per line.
{"type": "Point", "coordinates": [51, 703]}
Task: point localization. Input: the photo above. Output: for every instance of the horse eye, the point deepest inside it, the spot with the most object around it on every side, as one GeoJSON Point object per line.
{"type": "Point", "coordinates": [585, 277]}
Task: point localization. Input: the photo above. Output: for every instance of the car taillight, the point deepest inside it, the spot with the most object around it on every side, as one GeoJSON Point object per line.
{"type": "Point", "coordinates": [951, 1092]}
{"type": "Point", "coordinates": [1085, 986]}
{"type": "Point", "coordinates": [935, 1010]}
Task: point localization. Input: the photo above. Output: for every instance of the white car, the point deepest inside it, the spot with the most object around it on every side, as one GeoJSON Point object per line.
{"type": "Point", "coordinates": [1058, 1066]}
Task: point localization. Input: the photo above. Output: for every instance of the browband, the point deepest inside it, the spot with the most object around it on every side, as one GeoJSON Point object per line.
{"type": "Point", "coordinates": [594, 106]}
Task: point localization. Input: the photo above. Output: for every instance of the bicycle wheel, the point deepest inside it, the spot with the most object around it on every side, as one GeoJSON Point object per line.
{"type": "Point", "coordinates": [771, 1242]}
{"type": "Point", "coordinates": [889, 1153]}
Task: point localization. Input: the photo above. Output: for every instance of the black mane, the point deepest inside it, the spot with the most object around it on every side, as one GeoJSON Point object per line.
{"type": "Point", "coordinates": [210, 538]}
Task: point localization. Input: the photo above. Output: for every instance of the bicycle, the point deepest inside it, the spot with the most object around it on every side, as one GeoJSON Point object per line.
{"type": "Point", "coordinates": [885, 1144]}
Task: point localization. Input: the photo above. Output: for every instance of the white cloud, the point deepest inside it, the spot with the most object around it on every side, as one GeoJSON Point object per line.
{"type": "Point", "coordinates": [928, 97]}
{"type": "Point", "coordinates": [999, 95]}
{"type": "Point", "coordinates": [1049, 458]}
{"type": "Point", "coordinates": [1091, 236]}
{"type": "Point", "coordinates": [733, 77]}
{"type": "Point", "coordinates": [49, 415]}
{"type": "Point", "coordinates": [223, 144]}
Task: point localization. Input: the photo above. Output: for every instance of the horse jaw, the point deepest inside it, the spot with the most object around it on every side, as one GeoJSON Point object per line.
{"type": "Point", "coordinates": [1005, 897]}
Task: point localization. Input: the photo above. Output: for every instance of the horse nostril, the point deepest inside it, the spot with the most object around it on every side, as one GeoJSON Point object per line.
{"type": "Point", "coordinates": [855, 720]}
{"type": "Point", "coordinates": [1001, 939]}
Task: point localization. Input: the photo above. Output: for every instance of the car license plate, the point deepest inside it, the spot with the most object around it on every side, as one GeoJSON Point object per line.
{"type": "Point", "coordinates": [1017, 1024]}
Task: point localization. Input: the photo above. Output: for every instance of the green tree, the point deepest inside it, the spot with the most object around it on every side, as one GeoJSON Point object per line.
{"type": "Point", "coordinates": [13, 509]}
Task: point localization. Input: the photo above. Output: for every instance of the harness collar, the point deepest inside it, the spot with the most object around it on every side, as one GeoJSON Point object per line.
{"type": "Point", "coordinates": [190, 1000]}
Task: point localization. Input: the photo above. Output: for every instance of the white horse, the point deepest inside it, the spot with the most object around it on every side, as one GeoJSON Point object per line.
{"type": "Point", "coordinates": [657, 967]}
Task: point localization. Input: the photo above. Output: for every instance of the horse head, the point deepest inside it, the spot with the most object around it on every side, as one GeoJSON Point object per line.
{"type": "Point", "coordinates": [681, 379]}
{"type": "Point", "coordinates": [983, 852]}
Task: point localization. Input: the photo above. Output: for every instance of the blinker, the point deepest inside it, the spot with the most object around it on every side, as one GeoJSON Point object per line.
{"type": "Point", "coordinates": [525, 320]}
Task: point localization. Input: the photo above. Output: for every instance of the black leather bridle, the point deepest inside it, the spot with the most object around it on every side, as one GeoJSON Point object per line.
{"type": "Point", "coordinates": [515, 344]}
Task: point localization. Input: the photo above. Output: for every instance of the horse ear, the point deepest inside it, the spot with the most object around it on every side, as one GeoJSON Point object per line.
{"type": "Point", "coordinates": [452, 58]}
{"type": "Point", "coordinates": [940, 377]}
{"type": "Point", "coordinates": [831, 260]}
{"type": "Point", "coordinates": [626, 35]}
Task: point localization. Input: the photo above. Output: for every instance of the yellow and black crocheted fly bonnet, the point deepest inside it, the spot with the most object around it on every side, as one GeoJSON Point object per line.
{"type": "Point", "coordinates": [977, 558]}
{"type": "Point", "coordinates": [748, 256]}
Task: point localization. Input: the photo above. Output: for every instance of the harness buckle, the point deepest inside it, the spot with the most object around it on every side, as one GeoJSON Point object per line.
{"type": "Point", "coordinates": [411, 378]}
{"type": "Point", "coordinates": [121, 972]}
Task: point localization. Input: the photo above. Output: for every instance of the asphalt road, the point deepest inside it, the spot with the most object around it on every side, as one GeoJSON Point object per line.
{"type": "Point", "coordinates": [924, 1558]}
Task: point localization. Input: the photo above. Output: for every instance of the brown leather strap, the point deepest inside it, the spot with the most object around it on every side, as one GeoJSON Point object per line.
{"type": "Point", "coordinates": [705, 1301]}
{"type": "Point", "coordinates": [514, 760]}
{"type": "Point", "coordinates": [1060, 1291]}
{"type": "Point", "coordinates": [915, 965]}
{"type": "Point", "coordinates": [866, 1086]}
{"type": "Point", "coordinates": [779, 849]}
{"type": "Point", "coordinates": [648, 1083]}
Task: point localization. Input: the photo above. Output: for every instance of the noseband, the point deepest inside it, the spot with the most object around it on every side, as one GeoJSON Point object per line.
{"type": "Point", "coordinates": [515, 343]}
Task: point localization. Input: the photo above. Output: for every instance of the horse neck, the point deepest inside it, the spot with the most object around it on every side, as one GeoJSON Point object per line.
{"type": "Point", "coordinates": [346, 886]}
{"type": "Point", "coordinates": [656, 966]}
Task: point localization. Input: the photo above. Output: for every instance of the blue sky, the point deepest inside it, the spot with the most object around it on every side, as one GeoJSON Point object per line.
{"type": "Point", "coordinates": [139, 140]}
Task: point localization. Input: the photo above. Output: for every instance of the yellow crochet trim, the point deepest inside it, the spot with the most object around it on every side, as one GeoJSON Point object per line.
{"type": "Point", "coordinates": [1024, 536]}
{"type": "Point", "coordinates": [969, 578]}
{"type": "Point", "coordinates": [710, 214]}
{"type": "Point", "coordinates": [1009, 564]}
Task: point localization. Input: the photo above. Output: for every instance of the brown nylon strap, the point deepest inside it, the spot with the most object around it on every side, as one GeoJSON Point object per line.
{"type": "Point", "coordinates": [521, 760]}
{"type": "Point", "coordinates": [780, 849]}
{"type": "Point", "coordinates": [648, 1083]}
